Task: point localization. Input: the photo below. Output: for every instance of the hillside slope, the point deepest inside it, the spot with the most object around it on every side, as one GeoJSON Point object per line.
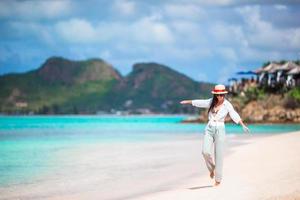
{"type": "Point", "coordinates": [58, 86]}
{"type": "Point", "coordinates": [159, 88]}
{"type": "Point", "coordinates": [62, 86]}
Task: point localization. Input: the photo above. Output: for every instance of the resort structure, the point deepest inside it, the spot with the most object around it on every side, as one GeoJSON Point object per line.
{"type": "Point", "coordinates": [276, 74]}
{"type": "Point", "coordinates": [272, 76]}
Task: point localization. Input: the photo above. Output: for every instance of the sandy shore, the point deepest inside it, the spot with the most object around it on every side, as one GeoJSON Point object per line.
{"type": "Point", "coordinates": [266, 168]}
{"type": "Point", "coordinates": [255, 167]}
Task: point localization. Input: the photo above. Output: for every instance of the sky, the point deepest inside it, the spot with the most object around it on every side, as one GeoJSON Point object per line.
{"type": "Point", "coordinates": [207, 40]}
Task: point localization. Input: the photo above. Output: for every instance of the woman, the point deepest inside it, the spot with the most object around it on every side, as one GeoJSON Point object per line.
{"type": "Point", "coordinates": [218, 108]}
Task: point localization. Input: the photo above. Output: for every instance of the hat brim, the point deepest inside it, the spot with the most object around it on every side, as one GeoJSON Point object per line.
{"type": "Point", "coordinates": [225, 92]}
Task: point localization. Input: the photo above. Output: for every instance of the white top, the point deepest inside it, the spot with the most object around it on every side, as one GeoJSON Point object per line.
{"type": "Point", "coordinates": [225, 108]}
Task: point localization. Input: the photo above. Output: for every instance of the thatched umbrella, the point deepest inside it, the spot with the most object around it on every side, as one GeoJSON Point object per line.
{"type": "Point", "coordinates": [293, 76]}
{"type": "Point", "coordinates": [267, 72]}
{"type": "Point", "coordinates": [294, 71]}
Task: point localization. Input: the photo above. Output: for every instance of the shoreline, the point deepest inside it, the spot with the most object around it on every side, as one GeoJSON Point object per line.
{"type": "Point", "coordinates": [200, 121]}
{"type": "Point", "coordinates": [190, 118]}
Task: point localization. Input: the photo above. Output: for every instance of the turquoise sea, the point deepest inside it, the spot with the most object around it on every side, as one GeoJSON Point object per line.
{"type": "Point", "coordinates": [31, 145]}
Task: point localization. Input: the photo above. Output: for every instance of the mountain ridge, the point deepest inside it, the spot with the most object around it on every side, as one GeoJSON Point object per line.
{"type": "Point", "coordinates": [63, 86]}
{"type": "Point", "coordinates": [67, 71]}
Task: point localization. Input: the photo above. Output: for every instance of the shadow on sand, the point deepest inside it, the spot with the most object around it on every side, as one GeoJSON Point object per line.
{"type": "Point", "coordinates": [201, 187]}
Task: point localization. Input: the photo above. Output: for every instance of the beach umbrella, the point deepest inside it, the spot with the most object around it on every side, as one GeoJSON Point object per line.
{"type": "Point", "coordinates": [245, 73]}
{"type": "Point", "coordinates": [232, 79]}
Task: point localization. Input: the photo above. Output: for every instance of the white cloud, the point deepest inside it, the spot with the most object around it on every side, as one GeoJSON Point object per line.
{"type": "Point", "coordinates": [221, 3]}
{"type": "Point", "coordinates": [217, 2]}
{"type": "Point", "coordinates": [32, 9]}
{"type": "Point", "coordinates": [124, 7]}
{"type": "Point", "coordinates": [252, 18]}
{"type": "Point", "coordinates": [152, 30]}
{"type": "Point", "coordinates": [185, 32]}
{"type": "Point", "coordinates": [294, 37]}
{"type": "Point", "coordinates": [184, 11]}
{"type": "Point", "coordinates": [76, 31]}
{"type": "Point", "coordinates": [280, 7]}
{"type": "Point", "coordinates": [228, 54]}
{"type": "Point", "coordinates": [38, 31]}
{"type": "Point", "coordinates": [227, 34]}
{"type": "Point", "coordinates": [189, 33]}
{"type": "Point", "coordinates": [210, 2]}
{"type": "Point", "coordinates": [262, 34]}
{"type": "Point", "coordinates": [256, 54]}
{"type": "Point", "coordinates": [148, 30]}
{"type": "Point", "coordinates": [106, 54]}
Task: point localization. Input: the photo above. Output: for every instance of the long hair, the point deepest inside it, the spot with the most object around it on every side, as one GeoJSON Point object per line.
{"type": "Point", "coordinates": [213, 103]}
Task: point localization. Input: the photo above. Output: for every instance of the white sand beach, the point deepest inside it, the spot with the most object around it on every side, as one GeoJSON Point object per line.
{"type": "Point", "coordinates": [255, 167]}
{"type": "Point", "coordinates": [265, 168]}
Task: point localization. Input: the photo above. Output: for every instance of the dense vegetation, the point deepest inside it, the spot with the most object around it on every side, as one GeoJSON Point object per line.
{"type": "Point", "coordinates": [62, 86]}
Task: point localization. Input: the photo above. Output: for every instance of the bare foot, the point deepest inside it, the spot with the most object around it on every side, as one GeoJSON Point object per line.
{"type": "Point", "coordinates": [212, 174]}
{"type": "Point", "coordinates": [217, 183]}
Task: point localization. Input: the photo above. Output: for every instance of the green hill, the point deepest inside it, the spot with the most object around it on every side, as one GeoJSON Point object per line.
{"type": "Point", "coordinates": [58, 86]}
{"type": "Point", "coordinates": [62, 86]}
{"type": "Point", "coordinates": [158, 88]}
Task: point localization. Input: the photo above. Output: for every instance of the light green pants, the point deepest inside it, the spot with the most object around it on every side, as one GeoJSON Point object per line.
{"type": "Point", "coordinates": [214, 135]}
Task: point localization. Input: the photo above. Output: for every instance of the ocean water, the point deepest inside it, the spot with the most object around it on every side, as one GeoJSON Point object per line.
{"type": "Point", "coordinates": [34, 148]}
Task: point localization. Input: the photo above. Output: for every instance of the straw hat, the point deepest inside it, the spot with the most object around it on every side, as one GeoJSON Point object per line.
{"type": "Point", "coordinates": [219, 89]}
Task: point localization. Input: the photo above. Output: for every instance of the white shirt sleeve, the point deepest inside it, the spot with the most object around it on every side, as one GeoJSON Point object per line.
{"type": "Point", "coordinates": [233, 114]}
{"type": "Point", "coordinates": [202, 103]}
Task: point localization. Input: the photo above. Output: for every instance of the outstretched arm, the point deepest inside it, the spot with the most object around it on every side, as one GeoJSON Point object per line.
{"type": "Point", "coordinates": [236, 118]}
{"type": "Point", "coordinates": [245, 128]}
{"type": "Point", "coordinates": [200, 103]}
